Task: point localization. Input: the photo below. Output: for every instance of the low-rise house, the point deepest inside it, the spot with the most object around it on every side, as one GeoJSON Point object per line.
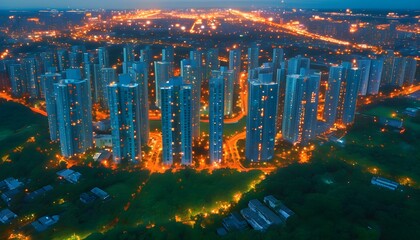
{"type": "Point", "coordinates": [254, 219]}
{"type": "Point", "coordinates": [101, 194]}
{"type": "Point", "coordinates": [385, 183]}
{"type": "Point", "coordinates": [102, 156]}
{"type": "Point", "coordinates": [391, 122]}
{"type": "Point", "coordinates": [234, 221]}
{"type": "Point", "coordinates": [412, 112]}
{"type": "Point", "coordinates": [87, 198]}
{"type": "Point", "coordinates": [278, 207]}
{"type": "Point", "coordinates": [39, 192]}
{"type": "Point", "coordinates": [43, 223]}
{"type": "Point", "coordinates": [103, 140]}
{"type": "Point", "coordinates": [13, 183]}
{"type": "Point", "coordinates": [69, 175]}
{"type": "Point", "coordinates": [264, 212]}
{"type": "Point", "coordinates": [6, 216]}
{"type": "Point", "coordinates": [10, 195]}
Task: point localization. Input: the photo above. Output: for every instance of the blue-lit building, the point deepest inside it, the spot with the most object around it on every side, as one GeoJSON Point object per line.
{"type": "Point", "coordinates": [252, 57]}
{"type": "Point", "coordinates": [168, 54]}
{"type": "Point", "coordinates": [228, 81]}
{"type": "Point", "coordinates": [139, 74]}
{"type": "Point", "coordinates": [163, 72]}
{"type": "Point", "coordinates": [128, 57]}
{"type": "Point", "coordinates": [410, 70]}
{"type": "Point", "coordinates": [103, 58]}
{"type": "Point", "coordinates": [47, 59]}
{"type": "Point", "coordinates": [191, 74]}
{"type": "Point", "coordinates": [107, 76]}
{"type": "Point", "coordinates": [332, 94]}
{"type": "Point", "coordinates": [364, 66]}
{"type": "Point", "coordinates": [74, 116]}
{"type": "Point", "coordinates": [17, 81]}
{"type": "Point", "coordinates": [348, 96]}
{"type": "Point", "coordinates": [216, 109]}
{"type": "Point", "coordinates": [300, 108]}
{"type": "Point", "coordinates": [125, 113]}
{"type": "Point", "coordinates": [63, 59]}
{"type": "Point", "coordinates": [281, 82]}
{"type": "Point", "coordinates": [49, 79]}
{"type": "Point", "coordinates": [235, 63]}
{"type": "Point", "coordinates": [212, 61]}
{"type": "Point", "coordinates": [176, 122]}
{"type": "Point", "coordinates": [278, 58]}
{"type": "Point", "coordinates": [30, 76]}
{"type": "Point", "coordinates": [311, 107]}
{"type": "Point", "coordinates": [146, 55]}
{"type": "Point", "coordinates": [388, 65]}
{"type": "Point", "coordinates": [398, 71]}
{"type": "Point", "coordinates": [298, 65]}
{"type": "Point", "coordinates": [375, 76]}
{"type": "Point", "coordinates": [261, 120]}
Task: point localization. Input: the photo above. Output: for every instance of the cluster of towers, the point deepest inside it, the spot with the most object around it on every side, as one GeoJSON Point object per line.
{"type": "Point", "coordinates": [283, 97]}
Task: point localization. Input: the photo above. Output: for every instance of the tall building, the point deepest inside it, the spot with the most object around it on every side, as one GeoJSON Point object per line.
{"type": "Point", "coordinates": [212, 61]}
{"type": "Point", "coordinates": [348, 96]}
{"type": "Point", "coordinates": [76, 56]}
{"type": "Point", "coordinates": [30, 75]}
{"type": "Point", "coordinates": [375, 76]}
{"type": "Point", "coordinates": [332, 94]}
{"type": "Point", "coordinates": [74, 116]}
{"type": "Point", "coordinates": [146, 55]}
{"type": "Point", "coordinates": [278, 58]}
{"type": "Point", "coordinates": [107, 76]}
{"type": "Point", "coordinates": [125, 114]}
{"type": "Point", "coordinates": [73, 73]}
{"type": "Point", "coordinates": [63, 59]}
{"type": "Point", "coordinates": [235, 63]}
{"type": "Point", "coordinates": [139, 75]}
{"type": "Point", "coordinates": [410, 70]}
{"type": "Point", "coordinates": [163, 72]}
{"type": "Point", "coordinates": [17, 81]}
{"type": "Point", "coordinates": [128, 57]}
{"type": "Point", "coordinates": [387, 68]}
{"type": "Point", "coordinates": [103, 57]}
{"type": "Point", "coordinates": [398, 71]}
{"type": "Point", "coordinates": [216, 109]}
{"type": "Point", "coordinates": [252, 57]}
{"type": "Point", "coordinates": [298, 65]}
{"type": "Point", "coordinates": [261, 120]}
{"type": "Point", "coordinates": [168, 54]}
{"type": "Point", "coordinates": [311, 107]}
{"type": "Point", "coordinates": [47, 59]}
{"type": "Point", "coordinates": [49, 79]}
{"type": "Point", "coordinates": [4, 77]}
{"type": "Point", "coordinates": [191, 74]}
{"type": "Point", "coordinates": [364, 66]}
{"type": "Point", "coordinates": [228, 80]}
{"type": "Point", "coordinates": [300, 108]}
{"type": "Point", "coordinates": [176, 122]}
{"type": "Point", "coordinates": [281, 82]}
{"type": "Point", "coordinates": [128, 53]}
{"type": "Point", "coordinates": [88, 72]}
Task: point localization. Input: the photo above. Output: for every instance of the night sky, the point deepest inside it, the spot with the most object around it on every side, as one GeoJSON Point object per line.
{"type": "Point", "coordinates": [125, 4]}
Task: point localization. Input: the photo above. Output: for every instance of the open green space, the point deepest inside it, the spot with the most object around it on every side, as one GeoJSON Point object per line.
{"type": "Point", "coordinates": [384, 151]}
{"type": "Point", "coordinates": [182, 195]}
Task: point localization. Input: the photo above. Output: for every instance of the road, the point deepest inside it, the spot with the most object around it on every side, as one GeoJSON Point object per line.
{"type": "Point", "coordinates": [34, 109]}
{"type": "Point", "coordinates": [295, 30]}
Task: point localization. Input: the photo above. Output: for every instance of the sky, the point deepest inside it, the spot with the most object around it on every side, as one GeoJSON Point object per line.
{"type": "Point", "coordinates": [128, 4]}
